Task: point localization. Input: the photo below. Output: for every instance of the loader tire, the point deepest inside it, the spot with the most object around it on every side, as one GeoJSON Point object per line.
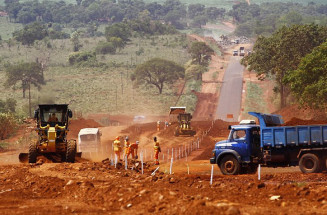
{"type": "Point", "coordinates": [32, 153]}
{"type": "Point", "coordinates": [71, 151]}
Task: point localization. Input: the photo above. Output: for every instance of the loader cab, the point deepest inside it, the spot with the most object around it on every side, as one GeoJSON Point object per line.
{"type": "Point", "coordinates": [53, 114]}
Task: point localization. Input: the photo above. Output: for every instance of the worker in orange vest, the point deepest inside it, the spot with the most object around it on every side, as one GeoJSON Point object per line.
{"type": "Point", "coordinates": [127, 147]}
{"type": "Point", "coordinates": [133, 149]}
{"type": "Point", "coordinates": [158, 125]}
{"type": "Point", "coordinates": [157, 149]}
{"type": "Point", "coordinates": [117, 147]}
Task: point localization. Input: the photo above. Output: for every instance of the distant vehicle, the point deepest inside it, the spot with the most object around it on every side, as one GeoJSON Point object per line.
{"type": "Point", "coordinates": [236, 41]}
{"type": "Point", "coordinates": [138, 119]}
{"type": "Point", "coordinates": [247, 122]}
{"type": "Point", "coordinates": [242, 51]}
{"type": "Point", "coordinates": [89, 140]}
{"type": "Point", "coordinates": [174, 112]}
{"type": "Point", "coordinates": [273, 145]}
{"type": "Point", "coordinates": [184, 125]}
{"type": "Point", "coordinates": [235, 53]}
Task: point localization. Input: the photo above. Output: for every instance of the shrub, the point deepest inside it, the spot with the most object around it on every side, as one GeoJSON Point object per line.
{"type": "Point", "coordinates": [81, 57]}
{"type": "Point", "coordinates": [105, 48]}
{"type": "Point", "coordinates": [7, 125]}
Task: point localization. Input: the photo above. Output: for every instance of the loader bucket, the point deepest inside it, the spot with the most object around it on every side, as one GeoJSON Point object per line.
{"type": "Point", "coordinates": [78, 154]}
{"type": "Point", "coordinates": [23, 157]}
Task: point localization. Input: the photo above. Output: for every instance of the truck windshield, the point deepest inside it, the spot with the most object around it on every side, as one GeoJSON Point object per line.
{"type": "Point", "coordinates": [239, 134]}
{"type": "Point", "coordinates": [88, 137]}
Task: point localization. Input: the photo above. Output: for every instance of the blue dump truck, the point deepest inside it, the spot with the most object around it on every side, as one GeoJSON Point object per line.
{"type": "Point", "coordinates": [273, 145]}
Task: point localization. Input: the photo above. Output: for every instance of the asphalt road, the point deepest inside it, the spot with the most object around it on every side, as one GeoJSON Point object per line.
{"type": "Point", "coordinates": [229, 104]}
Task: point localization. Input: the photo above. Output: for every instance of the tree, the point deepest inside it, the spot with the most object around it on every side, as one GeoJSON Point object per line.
{"type": "Point", "coordinates": [309, 82]}
{"type": "Point", "coordinates": [201, 53]}
{"type": "Point", "coordinates": [30, 33]}
{"type": "Point", "coordinates": [200, 20]}
{"type": "Point", "coordinates": [195, 71]}
{"type": "Point", "coordinates": [196, 10]}
{"type": "Point", "coordinates": [26, 74]}
{"type": "Point", "coordinates": [105, 48]}
{"type": "Point", "coordinates": [75, 40]}
{"type": "Point", "coordinates": [274, 56]}
{"type": "Point", "coordinates": [214, 13]}
{"type": "Point", "coordinates": [158, 72]}
{"type": "Point", "coordinates": [118, 30]}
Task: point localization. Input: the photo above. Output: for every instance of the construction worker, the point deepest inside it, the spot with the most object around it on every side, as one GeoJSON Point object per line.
{"type": "Point", "coordinates": [127, 147]}
{"type": "Point", "coordinates": [53, 118]}
{"type": "Point", "coordinates": [157, 149]}
{"type": "Point", "coordinates": [117, 147]}
{"type": "Point", "coordinates": [133, 149]}
{"type": "Point", "coordinates": [158, 125]}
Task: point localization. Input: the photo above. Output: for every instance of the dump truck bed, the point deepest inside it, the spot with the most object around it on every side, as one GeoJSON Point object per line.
{"type": "Point", "coordinates": [274, 134]}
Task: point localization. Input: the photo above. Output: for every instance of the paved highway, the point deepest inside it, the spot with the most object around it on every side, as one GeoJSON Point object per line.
{"type": "Point", "coordinates": [229, 104]}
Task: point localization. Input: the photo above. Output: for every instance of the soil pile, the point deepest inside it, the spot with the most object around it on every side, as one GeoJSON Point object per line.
{"type": "Point", "coordinates": [294, 111]}
{"type": "Point", "coordinates": [76, 125]}
{"type": "Point", "coordinates": [295, 121]}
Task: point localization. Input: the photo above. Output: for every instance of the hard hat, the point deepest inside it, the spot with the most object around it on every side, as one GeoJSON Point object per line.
{"type": "Point", "coordinates": [117, 137]}
{"type": "Point", "coordinates": [137, 142]}
{"type": "Point", "coordinates": [155, 139]}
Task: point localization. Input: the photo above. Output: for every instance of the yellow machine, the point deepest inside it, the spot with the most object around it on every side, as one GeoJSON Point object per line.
{"type": "Point", "coordinates": [184, 125]}
{"type": "Point", "coordinates": [52, 128]}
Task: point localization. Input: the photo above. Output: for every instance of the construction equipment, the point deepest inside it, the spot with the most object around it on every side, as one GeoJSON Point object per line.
{"type": "Point", "coordinates": [184, 125]}
{"type": "Point", "coordinates": [173, 114]}
{"type": "Point", "coordinates": [52, 127]}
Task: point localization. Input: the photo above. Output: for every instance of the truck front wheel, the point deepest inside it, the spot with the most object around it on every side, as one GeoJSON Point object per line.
{"type": "Point", "coordinates": [229, 165]}
{"type": "Point", "coordinates": [310, 163]}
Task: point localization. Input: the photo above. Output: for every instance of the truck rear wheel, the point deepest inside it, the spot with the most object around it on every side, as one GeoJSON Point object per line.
{"type": "Point", "coordinates": [32, 152]}
{"type": "Point", "coordinates": [310, 163]}
{"type": "Point", "coordinates": [71, 151]}
{"type": "Point", "coordinates": [229, 165]}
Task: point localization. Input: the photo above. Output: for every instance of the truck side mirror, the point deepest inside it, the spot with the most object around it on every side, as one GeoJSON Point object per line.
{"type": "Point", "coordinates": [70, 113]}
{"type": "Point", "coordinates": [229, 127]}
{"type": "Point", "coordinates": [36, 114]}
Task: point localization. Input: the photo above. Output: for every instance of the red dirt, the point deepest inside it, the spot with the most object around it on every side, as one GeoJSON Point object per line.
{"type": "Point", "coordinates": [77, 124]}
{"type": "Point", "coordinates": [295, 121]}
{"type": "Point", "coordinates": [98, 188]}
{"type": "Point", "coordinates": [294, 111]}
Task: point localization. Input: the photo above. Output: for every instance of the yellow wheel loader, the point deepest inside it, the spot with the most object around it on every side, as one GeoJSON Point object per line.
{"type": "Point", "coordinates": [52, 127]}
{"type": "Point", "coordinates": [184, 125]}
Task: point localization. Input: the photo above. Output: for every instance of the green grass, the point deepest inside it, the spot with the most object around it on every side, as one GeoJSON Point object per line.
{"type": "Point", "coordinates": [7, 28]}
{"type": "Point", "coordinates": [100, 89]}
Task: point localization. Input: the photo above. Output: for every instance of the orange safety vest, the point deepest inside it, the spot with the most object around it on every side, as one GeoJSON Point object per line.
{"type": "Point", "coordinates": [156, 146]}
{"type": "Point", "coordinates": [117, 146]}
{"type": "Point", "coordinates": [127, 144]}
{"type": "Point", "coordinates": [134, 146]}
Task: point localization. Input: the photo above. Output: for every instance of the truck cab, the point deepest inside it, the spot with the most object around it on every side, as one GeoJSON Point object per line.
{"type": "Point", "coordinates": [242, 147]}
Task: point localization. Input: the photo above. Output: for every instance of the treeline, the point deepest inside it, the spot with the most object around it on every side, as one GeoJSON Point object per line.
{"type": "Point", "coordinates": [266, 18]}
{"type": "Point", "coordinates": [296, 58]}
{"type": "Point", "coordinates": [110, 11]}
